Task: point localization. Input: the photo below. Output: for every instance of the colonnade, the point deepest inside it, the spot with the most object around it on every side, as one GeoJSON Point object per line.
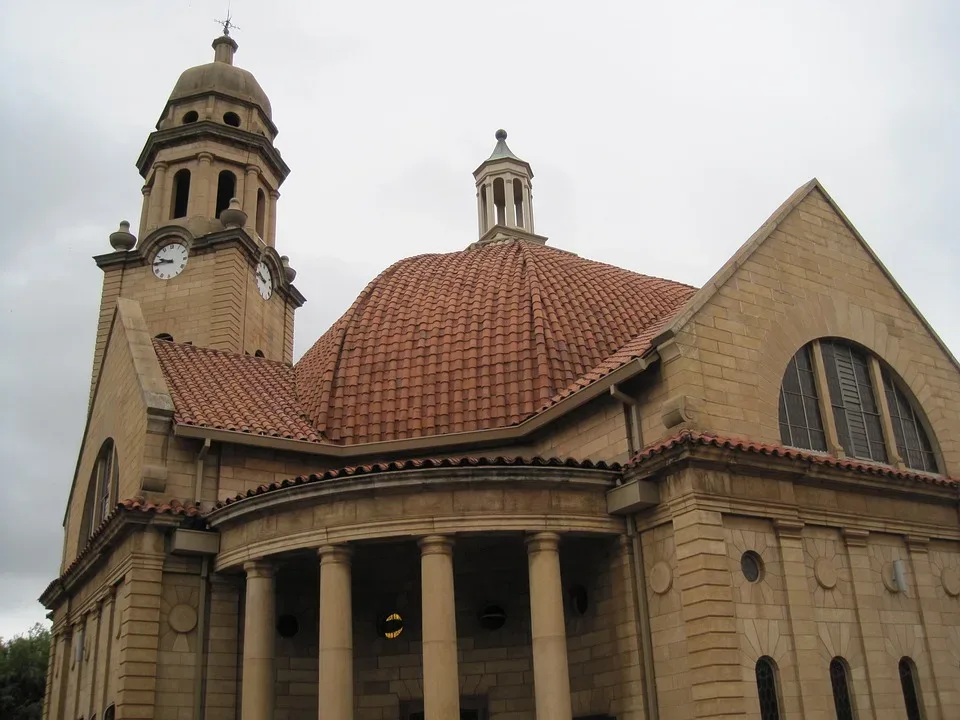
{"type": "Point", "coordinates": [441, 679]}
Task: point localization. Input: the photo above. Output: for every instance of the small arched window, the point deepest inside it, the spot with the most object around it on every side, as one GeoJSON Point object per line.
{"type": "Point", "coordinates": [164, 336]}
{"type": "Point", "coordinates": [226, 189]}
{"type": "Point", "coordinates": [860, 409]}
{"type": "Point", "coordinates": [767, 690]}
{"type": "Point", "coordinates": [911, 689]}
{"type": "Point", "coordinates": [842, 698]}
{"type": "Point", "coordinates": [261, 212]}
{"type": "Point", "coordinates": [181, 194]}
{"type": "Point", "coordinates": [500, 202]}
{"type": "Point", "coordinates": [102, 491]}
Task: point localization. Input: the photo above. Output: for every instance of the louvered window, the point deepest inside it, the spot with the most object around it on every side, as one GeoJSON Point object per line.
{"type": "Point", "coordinates": [767, 689]}
{"type": "Point", "coordinates": [841, 689]}
{"type": "Point", "coordinates": [853, 400]}
{"type": "Point", "coordinates": [911, 694]}
{"type": "Point", "coordinates": [800, 422]}
{"type": "Point", "coordinates": [912, 442]}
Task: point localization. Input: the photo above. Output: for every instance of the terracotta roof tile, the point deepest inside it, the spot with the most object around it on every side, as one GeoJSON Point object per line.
{"type": "Point", "coordinates": [477, 339]}
{"type": "Point", "coordinates": [689, 437]}
{"type": "Point", "coordinates": [221, 390]}
{"type": "Point", "coordinates": [422, 464]}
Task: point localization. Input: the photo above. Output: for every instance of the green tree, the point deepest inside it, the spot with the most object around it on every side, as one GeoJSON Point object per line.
{"type": "Point", "coordinates": [23, 674]}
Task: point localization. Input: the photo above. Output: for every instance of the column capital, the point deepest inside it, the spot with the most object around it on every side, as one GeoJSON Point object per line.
{"type": "Point", "coordinates": [252, 169]}
{"type": "Point", "coordinates": [259, 569]}
{"type": "Point", "coordinates": [435, 545]}
{"type": "Point", "coordinates": [205, 157]}
{"type": "Point", "coordinates": [275, 194]}
{"type": "Point", "coordinates": [145, 190]}
{"type": "Point", "coordinates": [543, 542]}
{"type": "Point", "coordinates": [855, 537]}
{"type": "Point", "coordinates": [917, 543]}
{"type": "Point", "coordinates": [333, 554]}
{"type": "Point", "coordinates": [161, 165]}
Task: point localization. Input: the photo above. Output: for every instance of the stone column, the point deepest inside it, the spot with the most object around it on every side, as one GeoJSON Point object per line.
{"type": "Point", "coordinates": [441, 678]}
{"type": "Point", "coordinates": [527, 212]}
{"type": "Point", "coordinates": [336, 634]}
{"type": "Point", "coordinates": [259, 676]}
{"type": "Point", "coordinates": [551, 674]}
{"type": "Point", "coordinates": [144, 212]}
{"type": "Point", "coordinates": [271, 223]}
{"type": "Point", "coordinates": [158, 195]}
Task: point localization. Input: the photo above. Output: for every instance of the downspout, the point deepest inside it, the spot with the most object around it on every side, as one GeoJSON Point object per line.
{"type": "Point", "coordinates": [199, 481]}
{"type": "Point", "coordinates": [201, 674]}
{"type": "Point", "coordinates": [634, 443]}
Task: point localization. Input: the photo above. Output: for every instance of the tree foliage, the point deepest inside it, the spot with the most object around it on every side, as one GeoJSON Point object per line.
{"type": "Point", "coordinates": [23, 674]}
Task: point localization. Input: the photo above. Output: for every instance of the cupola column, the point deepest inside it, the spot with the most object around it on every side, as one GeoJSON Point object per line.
{"type": "Point", "coordinates": [199, 203]}
{"type": "Point", "coordinates": [271, 238]}
{"type": "Point", "coordinates": [250, 186]}
{"type": "Point", "coordinates": [144, 209]}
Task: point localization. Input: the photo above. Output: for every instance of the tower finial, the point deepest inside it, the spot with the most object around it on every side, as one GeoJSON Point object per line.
{"type": "Point", "coordinates": [501, 134]}
{"type": "Point", "coordinates": [228, 23]}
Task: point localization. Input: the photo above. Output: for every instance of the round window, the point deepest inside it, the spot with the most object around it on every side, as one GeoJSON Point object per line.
{"type": "Point", "coordinates": [390, 626]}
{"type": "Point", "coordinates": [190, 117]}
{"type": "Point", "coordinates": [492, 617]}
{"type": "Point", "coordinates": [231, 118]}
{"type": "Point", "coordinates": [287, 626]}
{"type": "Point", "coordinates": [752, 566]}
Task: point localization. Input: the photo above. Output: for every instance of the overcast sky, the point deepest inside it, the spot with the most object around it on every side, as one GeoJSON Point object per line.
{"type": "Point", "coordinates": [662, 134]}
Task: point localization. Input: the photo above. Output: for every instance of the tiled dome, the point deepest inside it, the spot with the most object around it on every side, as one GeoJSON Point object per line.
{"type": "Point", "coordinates": [472, 340]}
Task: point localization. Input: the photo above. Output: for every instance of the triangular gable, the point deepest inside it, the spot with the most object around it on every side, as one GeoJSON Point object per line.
{"type": "Point", "coordinates": [129, 329]}
{"type": "Point", "coordinates": [712, 287]}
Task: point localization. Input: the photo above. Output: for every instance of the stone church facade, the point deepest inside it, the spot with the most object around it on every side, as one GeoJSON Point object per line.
{"type": "Point", "coordinates": [510, 482]}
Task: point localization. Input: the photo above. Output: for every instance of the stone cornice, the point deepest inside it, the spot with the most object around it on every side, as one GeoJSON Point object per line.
{"type": "Point", "coordinates": [206, 129]}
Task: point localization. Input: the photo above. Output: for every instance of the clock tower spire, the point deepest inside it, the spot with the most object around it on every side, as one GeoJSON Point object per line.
{"type": "Point", "coordinates": [204, 267]}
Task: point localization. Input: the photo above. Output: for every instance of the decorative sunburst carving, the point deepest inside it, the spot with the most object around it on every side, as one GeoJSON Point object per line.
{"type": "Point", "coordinates": [178, 612]}
{"type": "Point", "coordinates": [660, 566]}
{"type": "Point", "coordinates": [828, 570]}
{"type": "Point", "coordinates": [768, 590]}
{"type": "Point", "coordinates": [945, 567]}
{"type": "Point", "coordinates": [882, 557]}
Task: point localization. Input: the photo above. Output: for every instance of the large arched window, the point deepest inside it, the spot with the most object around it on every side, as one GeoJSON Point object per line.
{"type": "Point", "coordinates": [911, 689]}
{"type": "Point", "coordinates": [842, 698]}
{"type": "Point", "coordinates": [767, 689]}
{"type": "Point", "coordinates": [849, 392]}
{"type": "Point", "coordinates": [102, 491]}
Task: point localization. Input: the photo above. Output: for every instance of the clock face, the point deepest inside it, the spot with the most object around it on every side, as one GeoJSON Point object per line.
{"type": "Point", "coordinates": [264, 281]}
{"type": "Point", "coordinates": [170, 261]}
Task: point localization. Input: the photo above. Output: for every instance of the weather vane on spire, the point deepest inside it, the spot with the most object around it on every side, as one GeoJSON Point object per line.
{"type": "Point", "coordinates": [228, 23]}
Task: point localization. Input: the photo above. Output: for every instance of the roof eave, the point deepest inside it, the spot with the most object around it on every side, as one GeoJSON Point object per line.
{"type": "Point", "coordinates": [431, 443]}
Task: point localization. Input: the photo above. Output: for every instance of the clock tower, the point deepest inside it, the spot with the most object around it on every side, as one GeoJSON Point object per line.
{"type": "Point", "coordinates": [204, 267]}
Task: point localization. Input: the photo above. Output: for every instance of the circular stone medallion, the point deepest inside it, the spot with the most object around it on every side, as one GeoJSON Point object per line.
{"type": "Point", "coordinates": [950, 579]}
{"type": "Point", "coordinates": [182, 618]}
{"type": "Point", "coordinates": [825, 573]}
{"type": "Point", "coordinates": [661, 577]}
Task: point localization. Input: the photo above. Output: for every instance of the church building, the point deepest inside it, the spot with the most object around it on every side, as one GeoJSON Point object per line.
{"type": "Point", "coordinates": [509, 482]}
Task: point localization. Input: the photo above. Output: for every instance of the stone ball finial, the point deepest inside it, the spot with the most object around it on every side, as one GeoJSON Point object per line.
{"type": "Point", "coordinates": [233, 216]}
{"type": "Point", "coordinates": [501, 134]}
{"type": "Point", "coordinates": [123, 239]}
{"type": "Point", "coordinates": [288, 272]}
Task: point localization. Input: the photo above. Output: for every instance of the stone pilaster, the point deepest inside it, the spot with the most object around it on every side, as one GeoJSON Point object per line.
{"type": "Point", "coordinates": [706, 592]}
{"type": "Point", "coordinates": [139, 638]}
{"type": "Point", "coordinates": [945, 688]}
{"type": "Point", "coordinates": [551, 674]}
{"type": "Point", "coordinates": [336, 634]}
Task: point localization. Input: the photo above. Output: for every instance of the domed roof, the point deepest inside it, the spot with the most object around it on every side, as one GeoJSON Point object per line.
{"type": "Point", "coordinates": [473, 340]}
{"type": "Point", "coordinates": [222, 76]}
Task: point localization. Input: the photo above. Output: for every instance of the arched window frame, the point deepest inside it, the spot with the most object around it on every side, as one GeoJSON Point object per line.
{"type": "Point", "coordinates": [842, 693]}
{"type": "Point", "coordinates": [910, 687]}
{"type": "Point", "coordinates": [226, 190]}
{"type": "Point", "coordinates": [768, 688]}
{"type": "Point", "coordinates": [103, 488]}
{"type": "Point", "coordinates": [867, 414]}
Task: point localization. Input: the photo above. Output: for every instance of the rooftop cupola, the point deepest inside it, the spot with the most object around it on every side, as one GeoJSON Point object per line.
{"type": "Point", "coordinates": [504, 190]}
